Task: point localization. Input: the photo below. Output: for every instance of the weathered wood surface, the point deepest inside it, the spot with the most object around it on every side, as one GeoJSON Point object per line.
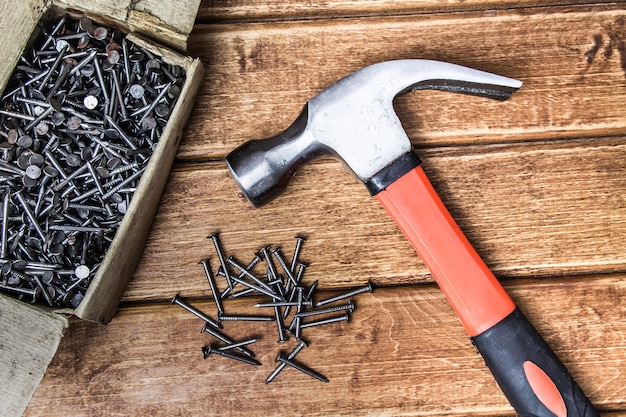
{"type": "Point", "coordinates": [537, 183]}
{"type": "Point", "coordinates": [568, 58]}
{"type": "Point", "coordinates": [562, 197]}
{"type": "Point", "coordinates": [220, 10]}
{"type": "Point", "coordinates": [404, 353]}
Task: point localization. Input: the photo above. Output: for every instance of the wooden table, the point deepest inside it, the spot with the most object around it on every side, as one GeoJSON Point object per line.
{"type": "Point", "coordinates": [538, 184]}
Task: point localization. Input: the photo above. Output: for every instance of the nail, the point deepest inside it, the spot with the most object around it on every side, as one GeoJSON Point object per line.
{"type": "Point", "coordinates": [282, 304]}
{"type": "Point", "coordinates": [54, 65]}
{"type": "Point", "coordinates": [156, 101]}
{"type": "Point", "coordinates": [282, 365]}
{"type": "Point", "coordinates": [220, 336]}
{"type": "Point", "coordinates": [218, 249]}
{"type": "Point", "coordinates": [248, 268]}
{"type": "Point", "coordinates": [33, 293]}
{"type": "Point", "coordinates": [299, 304]}
{"type": "Point", "coordinates": [367, 288]}
{"type": "Point", "coordinates": [207, 350]}
{"type": "Point", "coordinates": [258, 288]}
{"type": "Point", "coordinates": [349, 307]}
{"type": "Point", "coordinates": [30, 215]}
{"type": "Point", "coordinates": [344, 317]}
{"type": "Point", "coordinates": [283, 264]}
{"type": "Point", "coordinates": [273, 274]}
{"type": "Point", "coordinates": [301, 368]}
{"type": "Point", "coordinates": [297, 324]}
{"type": "Point", "coordinates": [124, 183]}
{"type": "Point", "coordinates": [5, 224]}
{"type": "Point", "coordinates": [296, 253]}
{"type": "Point", "coordinates": [238, 344]}
{"type": "Point", "coordinates": [257, 281]}
{"type": "Point", "coordinates": [216, 296]}
{"type": "Point", "coordinates": [43, 289]}
{"type": "Point", "coordinates": [118, 94]}
{"type": "Point", "coordinates": [312, 288]}
{"type": "Point", "coordinates": [282, 337]}
{"type": "Point", "coordinates": [244, 318]}
{"type": "Point", "coordinates": [177, 300]}
{"type": "Point", "coordinates": [240, 293]}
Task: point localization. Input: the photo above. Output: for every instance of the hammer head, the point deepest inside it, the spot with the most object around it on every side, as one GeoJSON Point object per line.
{"type": "Point", "coordinates": [354, 121]}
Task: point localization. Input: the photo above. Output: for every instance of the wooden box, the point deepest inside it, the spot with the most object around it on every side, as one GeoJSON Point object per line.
{"type": "Point", "coordinates": [30, 334]}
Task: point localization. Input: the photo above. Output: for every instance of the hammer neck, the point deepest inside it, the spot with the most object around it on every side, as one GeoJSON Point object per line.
{"type": "Point", "coordinates": [391, 173]}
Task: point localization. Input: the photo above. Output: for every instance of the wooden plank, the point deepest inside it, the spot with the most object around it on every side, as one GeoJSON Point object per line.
{"type": "Point", "coordinates": [222, 10]}
{"type": "Point", "coordinates": [30, 337]}
{"type": "Point", "coordinates": [260, 75]}
{"type": "Point", "coordinates": [531, 209]}
{"type": "Point", "coordinates": [28, 14]}
{"type": "Point", "coordinates": [403, 353]}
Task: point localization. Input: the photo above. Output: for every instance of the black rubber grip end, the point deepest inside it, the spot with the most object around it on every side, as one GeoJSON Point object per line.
{"type": "Point", "coordinates": [533, 379]}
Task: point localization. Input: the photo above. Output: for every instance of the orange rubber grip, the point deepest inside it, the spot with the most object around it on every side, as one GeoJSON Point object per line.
{"type": "Point", "coordinates": [471, 288]}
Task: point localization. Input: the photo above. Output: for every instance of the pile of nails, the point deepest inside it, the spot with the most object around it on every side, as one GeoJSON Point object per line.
{"type": "Point", "coordinates": [79, 120]}
{"type": "Point", "coordinates": [294, 307]}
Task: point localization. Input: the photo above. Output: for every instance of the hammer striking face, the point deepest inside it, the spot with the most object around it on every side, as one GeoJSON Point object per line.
{"type": "Point", "coordinates": [354, 120]}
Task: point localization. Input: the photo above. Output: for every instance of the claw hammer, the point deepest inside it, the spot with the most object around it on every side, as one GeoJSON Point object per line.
{"type": "Point", "coordinates": [354, 121]}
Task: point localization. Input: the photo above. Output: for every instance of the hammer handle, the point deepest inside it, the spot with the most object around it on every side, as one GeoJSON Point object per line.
{"type": "Point", "coordinates": [531, 376]}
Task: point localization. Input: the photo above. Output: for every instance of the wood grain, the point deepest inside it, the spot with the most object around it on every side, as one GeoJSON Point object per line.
{"type": "Point", "coordinates": [222, 10]}
{"type": "Point", "coordinates": [403, 353]}
{"type": "Point", "coordinates": [565, 198]}
{"type": "Point", "coordinates": [537, 183]}
{"type": "Point", "coordinates": [260, 75]}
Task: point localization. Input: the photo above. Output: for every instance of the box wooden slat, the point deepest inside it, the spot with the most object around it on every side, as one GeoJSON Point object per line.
{"type": "Point", "coordinates": [29, 337]}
